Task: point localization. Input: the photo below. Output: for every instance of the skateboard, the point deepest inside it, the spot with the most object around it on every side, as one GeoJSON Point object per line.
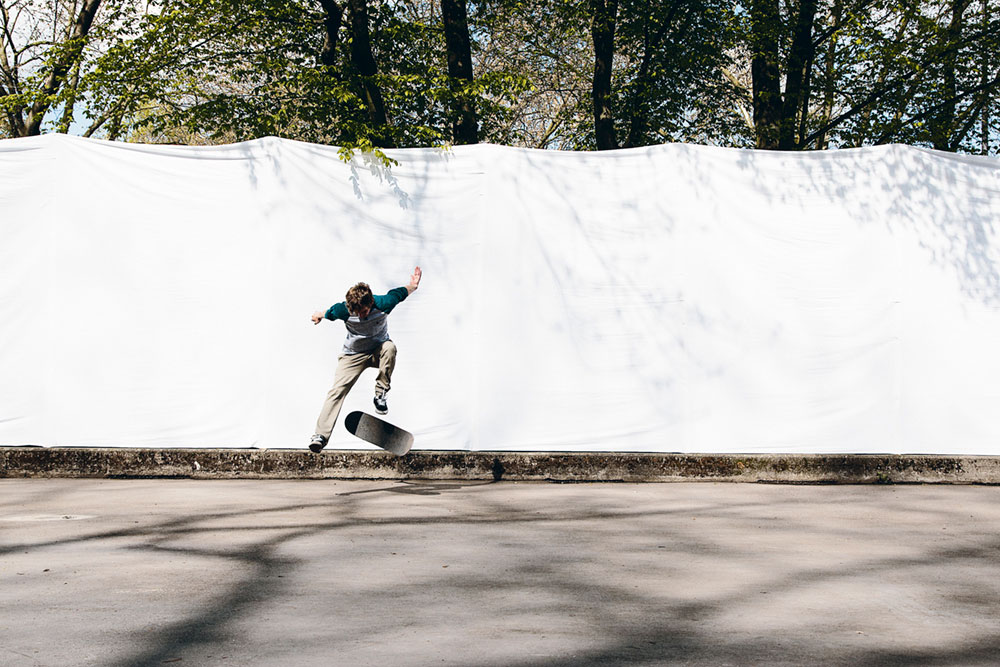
{"type": "Point", "coordinates": [380, 433]}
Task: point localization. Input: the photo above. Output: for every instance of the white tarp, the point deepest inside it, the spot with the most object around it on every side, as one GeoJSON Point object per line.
{"type": "Point", "coordinates": [673, 298]}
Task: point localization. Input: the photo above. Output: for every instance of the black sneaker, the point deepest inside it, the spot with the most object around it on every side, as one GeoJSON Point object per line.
{"type": "Point", "coordinates": [317, 443]}
{"type": "Point", "coordinates": [381, 406]}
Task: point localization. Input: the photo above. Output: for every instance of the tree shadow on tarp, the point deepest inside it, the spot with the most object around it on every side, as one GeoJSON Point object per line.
{"type": "Point", "coordinates": [756, 338]}
{"type": "Point", "coordinates": [946, 202]}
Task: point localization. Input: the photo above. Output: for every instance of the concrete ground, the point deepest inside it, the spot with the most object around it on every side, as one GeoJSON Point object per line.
{"type": "Point", "coordinates": [152, 572]}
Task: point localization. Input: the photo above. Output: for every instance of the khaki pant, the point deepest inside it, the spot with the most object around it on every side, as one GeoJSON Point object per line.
{"type": "Point", "coordinates": [349, 369]}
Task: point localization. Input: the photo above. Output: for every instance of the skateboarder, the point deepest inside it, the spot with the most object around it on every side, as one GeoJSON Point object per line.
{"type": "Point", "coordinates": [367, 346]}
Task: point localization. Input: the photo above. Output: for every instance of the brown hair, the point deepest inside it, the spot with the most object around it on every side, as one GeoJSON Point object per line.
{"type": "Point", "coordinates": [358, 297]}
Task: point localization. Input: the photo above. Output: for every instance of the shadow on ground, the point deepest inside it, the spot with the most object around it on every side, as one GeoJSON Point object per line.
{"type": "Point", "coordinates": [532, 574]}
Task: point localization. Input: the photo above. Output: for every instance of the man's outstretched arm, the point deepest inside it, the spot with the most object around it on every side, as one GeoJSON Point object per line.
{"type": "Point", "coordinates": [337, 311]}
{"type": "Point", "coordinates": [386, 302]}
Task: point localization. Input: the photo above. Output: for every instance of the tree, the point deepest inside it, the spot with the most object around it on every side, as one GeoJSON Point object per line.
{"type": "Point", "coordinates": [610, 73]}
{"type": "Point", "coordinates": [797, 84]}
{"type": "Point", "coordinates": [367, 69]}
{"type": "Point", "coordinates": [887, 70]}
{"type": "Point", "coordinates": [465, 126]}
{"type": "Point", "coordinates": [670, 83]}
{"type": "Point", "coordinates": [542, 51]}
{"type": "Point", "coordinates": [775, 116]}
{"type": "Point", "coordinates": [39, 69]}
{"type": "Point", "coordinates": [357, 73]}
{"type": "Point", "coordinates": [583, 75]}
{"type": "Point", "coordinates": [604, 17]}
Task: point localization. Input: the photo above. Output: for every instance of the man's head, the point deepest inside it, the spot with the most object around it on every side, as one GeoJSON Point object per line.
{"type": "Point", "coordinates": [360, 300]}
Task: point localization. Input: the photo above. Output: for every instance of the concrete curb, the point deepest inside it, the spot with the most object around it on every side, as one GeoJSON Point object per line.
{"type": "Point", "coordinates": [514, 466]}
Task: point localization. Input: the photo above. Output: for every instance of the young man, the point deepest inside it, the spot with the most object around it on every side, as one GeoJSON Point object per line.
{"type": "Point", "coordinates": [367, 346]}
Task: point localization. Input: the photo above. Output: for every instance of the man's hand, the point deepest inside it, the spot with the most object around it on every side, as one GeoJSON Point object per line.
{"type": "Point", "coordinates": [317, 317]}
{"type": "Point", "coordinates": [414, 281]}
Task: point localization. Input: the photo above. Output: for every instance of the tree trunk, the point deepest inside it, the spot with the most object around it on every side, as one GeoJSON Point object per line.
{"type": "Point", "coordinates": [465, 128]}
{"type": "Point", "coordinates": [333, 18]}
{"type": "Point", "coordinates": [944, 122]}
{"type": "Point", "coordinates": [830, 72]}
{"type": "Point", "coordinates": [15, 119]}
{"type": "Point", "coordinates": [72, 88]}
{"type": "Point", "coordinates": [9, 79]}
{"type": "Point", "coordinates": [605, 14]}
{"type": "Point", "coordinates": [804, 99]}
{"type": "Point", "coordinates": [71, 52]}
{"type": "Point", "coordinates": [364, 62]}
{"type": "Point", "coordinates": [984, 119]}
{"type": "Point", "coordinates": [764, 27]}
{"type": "Point", "coordinates": [799, 61]}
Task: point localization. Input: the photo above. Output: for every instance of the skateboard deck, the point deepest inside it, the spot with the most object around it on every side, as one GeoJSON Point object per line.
{"type": "Point", "coordinates": [380, 433]}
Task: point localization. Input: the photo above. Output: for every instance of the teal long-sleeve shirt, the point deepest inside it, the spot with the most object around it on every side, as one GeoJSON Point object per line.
{"type": "Point", "coordinates": [366, 335]}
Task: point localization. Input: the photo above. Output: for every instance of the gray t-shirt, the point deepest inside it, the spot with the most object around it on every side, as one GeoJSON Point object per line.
{"type": "Point", "coordinates": [364, 336]}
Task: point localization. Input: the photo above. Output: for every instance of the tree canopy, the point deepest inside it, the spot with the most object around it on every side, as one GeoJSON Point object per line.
{"type": "Point", "coordinates": [568, 74]}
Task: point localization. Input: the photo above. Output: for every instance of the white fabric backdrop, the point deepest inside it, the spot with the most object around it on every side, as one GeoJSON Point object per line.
{"type": "Point", "coordinates": [674, 298]}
